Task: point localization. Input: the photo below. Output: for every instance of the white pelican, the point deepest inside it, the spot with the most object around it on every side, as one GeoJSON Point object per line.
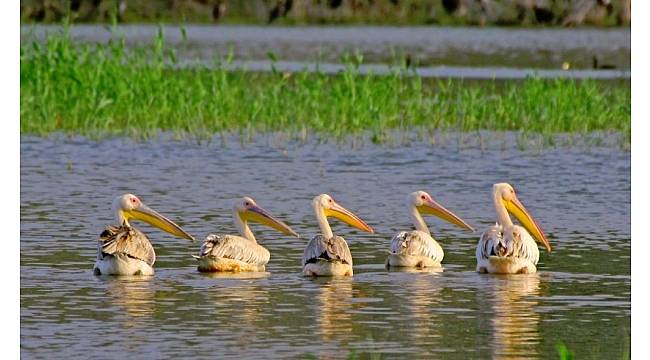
{"type": "Point", "coordinates": [232, 253]}
{"type": "Point", "coordinates": [505, 248]}
{"type": "Point", "coordinates": [418, 248]}
{"type": "Point", "coordinates": [125, 250]}
{"type": "Point", "coordinates": [326, 254]}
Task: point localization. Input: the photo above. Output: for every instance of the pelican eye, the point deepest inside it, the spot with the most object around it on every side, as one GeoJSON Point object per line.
{"type": "Point", "coordinates": [247, 203]}
{"type": "Point", "coordinates": [423, 197]}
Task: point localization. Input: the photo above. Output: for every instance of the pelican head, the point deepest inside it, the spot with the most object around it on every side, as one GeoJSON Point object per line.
{"type": "Point", "coordinates": [425, 204]}
{"type": "Point", "coordinates": [129, 206]}
{"type": "Point", "coordinates": [331, 208]}
{"type": "Point", "coordinates": [248, 210]}
{"type": "Point", "coordinates": [505, 194]}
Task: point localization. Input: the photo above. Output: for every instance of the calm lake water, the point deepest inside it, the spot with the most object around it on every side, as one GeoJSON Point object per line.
{"type": "Point", "coordinates": [579, 297]}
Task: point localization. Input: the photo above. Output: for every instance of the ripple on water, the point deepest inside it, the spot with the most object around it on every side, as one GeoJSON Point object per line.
{"type": "Point", "coordinates": [456, 313]}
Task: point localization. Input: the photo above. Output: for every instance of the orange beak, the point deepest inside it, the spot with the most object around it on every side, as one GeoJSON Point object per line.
{"type": "Point", "coordinates": [257, 214]}
{"type": "Point", "coordinates": [516, 208]}
{"type": "Point", "coordinates": [433, 208]}
{"type": "Point", "coordinates": [348, 217]}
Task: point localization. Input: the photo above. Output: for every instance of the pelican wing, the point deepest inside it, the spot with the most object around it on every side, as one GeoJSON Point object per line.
{"type": "Point", "coordinates": [489, 239]}
{"type": "Point", "coordinates": [520, 244]}
{"type": "Point", "coordinates": [513, 241]}
{"type": "Point", "coordinates": [125, 240]}
{"type": "Point", "coordinates": [416, 243]}
{"type": "Point", "coordinates": [333, 249]}
{"type": "Point", "coordinates": [234, 247]}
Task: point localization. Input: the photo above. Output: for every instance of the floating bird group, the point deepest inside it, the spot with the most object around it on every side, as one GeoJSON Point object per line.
{"type": "Point", "coordinates": [503, 248]}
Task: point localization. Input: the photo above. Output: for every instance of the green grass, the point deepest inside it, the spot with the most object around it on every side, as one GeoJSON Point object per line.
{"type": "Point", "coordinates": [103, 89]}
{"type": "Point", "coordinates": [564, 353]}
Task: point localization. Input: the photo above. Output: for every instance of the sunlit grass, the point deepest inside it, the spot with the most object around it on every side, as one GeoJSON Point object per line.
{"type": "Point", "coordinates": [564, 353]}
{"type": "Point", "coordinates": [105, 89]}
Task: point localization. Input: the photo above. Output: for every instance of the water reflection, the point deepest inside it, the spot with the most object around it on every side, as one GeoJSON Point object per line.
{"type": "Point", "coordinates": [238, 305]}
{"type": "Point", "coordinates": [452, 46]}
{"type": "Point", "coordinates": [247, 275]}
{"type": "Point", "coordinates": [333, 307]}
{"type": "Point", "coordinates": [455, 314]}
{"type": "Point", "coordinates": [428, 270]}
{"type": "Point", "coordinates": [134, 295]}
{"type": "Point", "coordinates": [424, 296]}
{"type": "Point", "coordinates": [515, 322]}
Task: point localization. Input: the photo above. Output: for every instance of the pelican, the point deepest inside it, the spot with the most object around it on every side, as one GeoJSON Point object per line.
{"type": "Point", "coordinates": [505, 248]}
{"type": "Point", "coordinates": [125, 250]}
{"type": "Point", "coordinates": [232, 253]}
{"type": "Point", "coordinates": [418, 248]}
{"type": "Point", "coordinates": [326, 254]}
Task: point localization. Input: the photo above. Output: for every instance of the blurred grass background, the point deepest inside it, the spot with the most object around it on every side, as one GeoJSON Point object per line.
{"type": "Point", "coordinates": [381, 12]}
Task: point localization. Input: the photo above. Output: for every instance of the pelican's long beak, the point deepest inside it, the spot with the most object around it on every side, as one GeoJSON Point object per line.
{"type": "Point", "coordinates": [433, 208]}
{"type": "Point", "coordinates": [516, 208]}
{"type": "Point", "coordinates": [147, 214]}
{"type": "Point", "coordinates": [348, 217]}
{"type": "Point", "coordinates": [257, 214]}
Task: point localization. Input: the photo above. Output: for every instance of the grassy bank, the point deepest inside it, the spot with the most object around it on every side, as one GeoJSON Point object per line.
{"type": "Point", "coordinates": [104, 90]}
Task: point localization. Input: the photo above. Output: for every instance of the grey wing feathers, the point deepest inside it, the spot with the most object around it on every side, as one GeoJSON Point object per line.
{"type": "Point", "coordinates": [416, 243]}
{"type": "Point", "coordinates": [234, 247]}
{"type": "Point", "coordinates": [511, 241]}
{"type": "Point", "coordinates": [489, 239]}
{"type": "Point", "coordinates": [125, 240]}
{"type": "Point", "coordinates": [521, 244]}
{"type": "Point", "coordinates": [333, 249]}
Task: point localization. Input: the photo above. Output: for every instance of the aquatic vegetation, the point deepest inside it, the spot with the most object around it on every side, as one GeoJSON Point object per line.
{"type": "Point", "coordinates": [563, 352]}
{"type": "Point", "coordinates": [108, 89]}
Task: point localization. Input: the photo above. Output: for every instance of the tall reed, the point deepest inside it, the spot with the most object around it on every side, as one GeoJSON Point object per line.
{"type": "Point", "coordinates": [105, 89]}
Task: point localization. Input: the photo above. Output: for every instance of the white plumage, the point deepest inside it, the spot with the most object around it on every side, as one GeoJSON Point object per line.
{"type": "Point", "coordinates": [332, 249]}
{"type": "Point", "coordinates": [232, 253]}
{"type": "Point", "coordinates": [124, 251]}
{"type": "Point", "coordinates": [327, 254]}
{"type": "Point", "coordinates": [417, 248]}
{"type": "Point", "coordinates": [505, 248]}
{"type": "Point", "coordinates": [414, 249]}
{"type": "Point", "coordinates": [236, 248]}
{"type": "Point", "coordinates": [327, 257]}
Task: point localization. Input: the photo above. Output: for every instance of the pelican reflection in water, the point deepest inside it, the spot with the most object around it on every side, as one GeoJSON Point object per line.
{"type": "Point", "coordinates": [513, 302]}
{"type": "Point", "coordinates": [134, 294]}
{"type": "Point", "coordinates": [332, 306]}
{"type": "Point", "coordinates": [421, 297]}
{"type": "Point", "coordinates": [242, 304]}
